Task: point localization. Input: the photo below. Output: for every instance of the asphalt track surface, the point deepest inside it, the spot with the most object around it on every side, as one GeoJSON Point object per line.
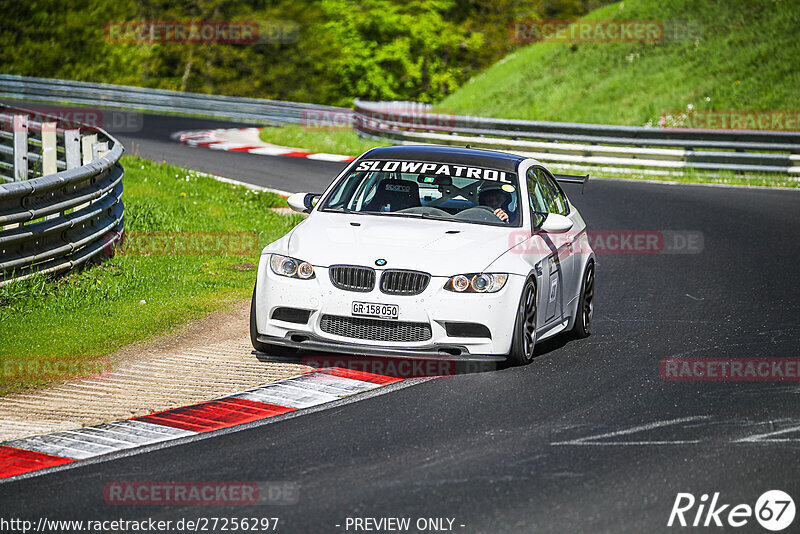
{"type": "Point", "coordinates": [587, 438]}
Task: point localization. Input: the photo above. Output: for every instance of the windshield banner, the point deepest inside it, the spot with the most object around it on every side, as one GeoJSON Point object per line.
{"type": "Point", "coordinates": [433, 169]}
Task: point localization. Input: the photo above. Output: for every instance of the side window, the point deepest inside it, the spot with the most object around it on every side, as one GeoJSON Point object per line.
{"type": "Point", "coordinates": [556, 200]}
{"type": "Point", "coordinates": [536, 196]}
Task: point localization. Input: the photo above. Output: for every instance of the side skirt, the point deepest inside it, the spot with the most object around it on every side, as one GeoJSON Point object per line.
{"type": "Point", "coordinates": [552, 329]}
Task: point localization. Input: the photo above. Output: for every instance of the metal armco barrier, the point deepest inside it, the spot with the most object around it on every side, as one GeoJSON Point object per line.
{"type": "Point", "coordinates": [60, 194]}
{"type": "Point", "coordinates": [593, 144]}
{"type": "Point", "coordinates": [623, 147]}
{"type": "Point", "coordinates": [159, 100]}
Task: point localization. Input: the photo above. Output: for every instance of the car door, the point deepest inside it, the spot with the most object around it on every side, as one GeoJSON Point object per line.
{"type": "Point", "coordinates": [553, 272]}
{"type": "Point", "coordinates": [571, 258]}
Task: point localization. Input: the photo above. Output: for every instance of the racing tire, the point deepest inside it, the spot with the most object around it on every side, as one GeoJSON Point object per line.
{"type": "Point", "coordinates": [585, 310]}
{"type": "Point", "coordinates": [266, 348]}
{"type": "Point", "coordinates": [524, 341]}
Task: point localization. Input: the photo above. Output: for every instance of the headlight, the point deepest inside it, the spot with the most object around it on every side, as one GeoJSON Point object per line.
{"type": "Point", "coordinates": [291, 267]}
{"type": "Point", "coordinates": [476, 283]}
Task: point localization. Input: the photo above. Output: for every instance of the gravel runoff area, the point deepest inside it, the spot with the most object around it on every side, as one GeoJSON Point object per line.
{"type": "Point", "coordinates": [205, 359]}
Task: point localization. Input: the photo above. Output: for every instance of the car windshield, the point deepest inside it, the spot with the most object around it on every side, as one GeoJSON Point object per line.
{"type": "Point", "coordinates": [431, 190]}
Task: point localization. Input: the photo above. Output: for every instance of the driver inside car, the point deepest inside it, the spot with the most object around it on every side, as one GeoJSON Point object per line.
{"type": "Point", "coordinates": [493, 196]}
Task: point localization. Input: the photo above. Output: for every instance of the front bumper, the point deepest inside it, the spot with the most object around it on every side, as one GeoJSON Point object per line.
{"type": "Point", "coordinates": [435, 307]}
{"type": "Point", "coordinates": [433, 353]}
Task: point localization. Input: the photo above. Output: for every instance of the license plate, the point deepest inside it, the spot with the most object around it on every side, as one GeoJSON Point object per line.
{"type": "Point", "coordinates": [374, 309]}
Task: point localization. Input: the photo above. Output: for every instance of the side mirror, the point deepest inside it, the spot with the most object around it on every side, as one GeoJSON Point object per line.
{"type": "Point", "coordinates": [302, 202]}
{"type": "Point", "coordinates": [556, 224]}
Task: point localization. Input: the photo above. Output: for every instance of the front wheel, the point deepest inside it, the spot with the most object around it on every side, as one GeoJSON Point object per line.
{"type": "Point", "coordinates": [524, 340]}
{"type": "Point", "coordinates": [585, 310]}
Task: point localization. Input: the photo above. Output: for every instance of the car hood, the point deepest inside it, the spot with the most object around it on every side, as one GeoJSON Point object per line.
{"type": "Point", "coordinates": [440, 248]}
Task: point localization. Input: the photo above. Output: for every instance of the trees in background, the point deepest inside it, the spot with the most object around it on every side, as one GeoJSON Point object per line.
{"type": "Point", "coordinates": [324, 51]}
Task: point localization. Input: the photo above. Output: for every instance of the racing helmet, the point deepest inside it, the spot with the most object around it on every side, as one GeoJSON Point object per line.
{"type": "Point", "coordinates": [493, 187]}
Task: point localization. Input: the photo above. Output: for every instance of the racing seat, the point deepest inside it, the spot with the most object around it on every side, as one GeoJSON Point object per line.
{"type": "Point", "coordinates": [394, 195]}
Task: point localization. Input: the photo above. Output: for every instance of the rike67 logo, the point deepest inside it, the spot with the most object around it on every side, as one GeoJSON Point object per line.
{"type": "Point", "coordinates": [774, 510]}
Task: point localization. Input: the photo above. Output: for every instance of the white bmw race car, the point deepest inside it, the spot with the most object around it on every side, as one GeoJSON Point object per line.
{"type": "Point", "coordinates": [427, 251]}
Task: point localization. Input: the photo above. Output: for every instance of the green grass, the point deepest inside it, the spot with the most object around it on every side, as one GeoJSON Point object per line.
{"type": "Point", "coordinates": [76, 319]}
{"type": "Point", "coordinates": [746, 58]}
{"type": "Point", "coordinates": [330, 140]}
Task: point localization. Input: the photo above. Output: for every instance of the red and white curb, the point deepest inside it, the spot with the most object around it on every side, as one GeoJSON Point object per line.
{"type": "Point", "coordinates": [246, 140]}
{"type": "Point", "coordinates": [315, 388]}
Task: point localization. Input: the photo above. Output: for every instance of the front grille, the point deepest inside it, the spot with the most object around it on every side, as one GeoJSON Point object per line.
{"type": "Point", "coordinates": [404, 282]}
{"type": "Point", "coordinates": [375, 329]}
{"type": "Point", "coordinates": [353, 278]}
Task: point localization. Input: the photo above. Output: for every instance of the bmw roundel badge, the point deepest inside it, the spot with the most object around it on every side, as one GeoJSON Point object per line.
{"type": "Point", "coordinates": [380, 262]}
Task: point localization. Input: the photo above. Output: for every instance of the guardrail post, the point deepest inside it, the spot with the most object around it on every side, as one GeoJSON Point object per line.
{"type": "Point", "coordinates": [20, 127]}
{"type": "Point", "coordinates": [99, 150]}
{"type": "Point", "coordinates": [49, 153]}
{"type": "Point", "coordinates": [87, 149]}
{"type": "Point", "coordinates": [87, 142]}
{"type": "Point", "coordinates": [72, 148]}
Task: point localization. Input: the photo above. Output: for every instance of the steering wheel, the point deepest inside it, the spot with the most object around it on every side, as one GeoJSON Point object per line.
{"type": "Point", "coordinates": [491, 210]}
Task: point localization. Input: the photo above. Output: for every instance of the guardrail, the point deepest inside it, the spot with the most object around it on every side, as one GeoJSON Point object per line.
{"type": "Point", "coordinates": [592, 144]}
{"type": "Point", "coordinates": [256, 110]}
{"type": "Point", "coordinates": [61, 205]}
{"type": "Point", "coordinates": [574, 145]}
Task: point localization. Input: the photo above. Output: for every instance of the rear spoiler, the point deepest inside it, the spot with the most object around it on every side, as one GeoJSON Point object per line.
{"type": "Point", "coordinates": [572, 179]}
